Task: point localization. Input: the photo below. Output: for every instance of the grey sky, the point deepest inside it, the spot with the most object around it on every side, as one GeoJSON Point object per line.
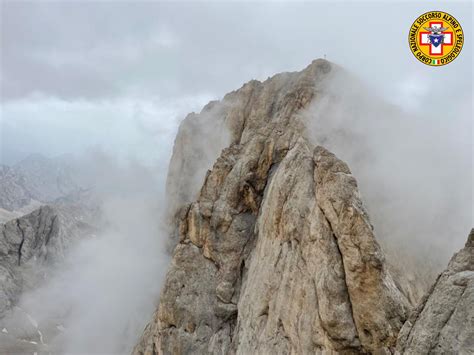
{"type": "Point", "coordinates": [76, 74]}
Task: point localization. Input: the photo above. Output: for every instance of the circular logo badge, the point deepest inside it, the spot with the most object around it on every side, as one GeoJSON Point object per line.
{"type": "Point", "coordinates": [436, 38]}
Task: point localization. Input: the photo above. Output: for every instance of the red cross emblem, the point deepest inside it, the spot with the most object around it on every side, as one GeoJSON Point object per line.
{"type": "Point", "coordinates": [438, 49]}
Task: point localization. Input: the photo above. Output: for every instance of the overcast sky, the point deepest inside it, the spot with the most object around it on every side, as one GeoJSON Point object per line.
{"type": "Point", "coordinates": [123, 74]}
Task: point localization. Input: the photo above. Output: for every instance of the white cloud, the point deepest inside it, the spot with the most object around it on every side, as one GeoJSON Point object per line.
{"type": "Point", "coordinates": [138, 128]}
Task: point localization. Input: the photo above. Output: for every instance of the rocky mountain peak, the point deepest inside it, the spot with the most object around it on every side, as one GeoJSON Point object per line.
{"type": "Point", "coordinates": [273, 248]}
{"type": "Point", "coordinates": [256, 109]}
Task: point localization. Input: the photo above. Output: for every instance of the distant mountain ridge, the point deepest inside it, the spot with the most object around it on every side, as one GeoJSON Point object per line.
{"type": "Point", "coordinates": [33, 181]}
{"type": "Point", "coordinates": [32, 247]}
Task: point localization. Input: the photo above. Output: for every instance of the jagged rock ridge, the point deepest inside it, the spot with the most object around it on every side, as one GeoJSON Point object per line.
{"type": "Point", "coordinates": [31, 243]}
{"type": "Point", "coordinates": [32, 248]}
{"type": "Point", "coordinates": [443, 323]}
{"type": "Point", "coordinates": [277, 253]}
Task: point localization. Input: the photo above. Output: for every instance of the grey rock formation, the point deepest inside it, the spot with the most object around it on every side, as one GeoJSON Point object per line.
{"type": "Point", "coordinates": [443, 323]}
{"type": "Point", "coordinates": [186, 174]}
{"type": "Point", "coordinates": [275, 253]}
{"type": "Point", "coordinates": [29, 245]}
{"type": "Point", "coordinates": [32, 247]}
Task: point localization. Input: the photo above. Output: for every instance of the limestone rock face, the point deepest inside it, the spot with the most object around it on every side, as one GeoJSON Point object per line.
{"type": "Point", "coordinates": [276, 253]}
{"type": "Point", "coordinates": [443, 323]}
{"type": "Point", "coordinates": [199, 142]}
{"type": "Point", "coordinates": [31, 243]}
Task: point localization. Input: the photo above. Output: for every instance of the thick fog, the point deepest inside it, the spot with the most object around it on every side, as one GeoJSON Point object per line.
{"type": "Point", "coordinates": [101, 298]}
{"type": "Point", "coordinates": [109, 82]}
{"type": "Point", "coordinates": [413, 168]}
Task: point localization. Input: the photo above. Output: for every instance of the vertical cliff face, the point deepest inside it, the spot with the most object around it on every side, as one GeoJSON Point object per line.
{"type": "Point", "coordinates": [32, 248]}
{"type": "Point", "coordinates": [276, 253]}
{"type": "Point", "coordinates": [443, 323]}
{"type": "Point", "coordinates": [31, 244]}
